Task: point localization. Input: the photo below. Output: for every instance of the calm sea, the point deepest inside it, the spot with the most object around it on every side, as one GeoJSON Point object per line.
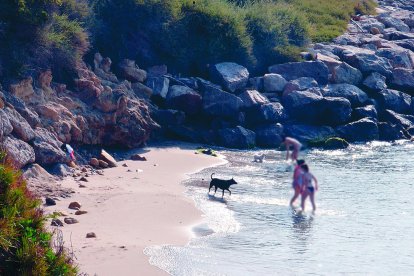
{"type": "Point", "coordinates": [364, 223]}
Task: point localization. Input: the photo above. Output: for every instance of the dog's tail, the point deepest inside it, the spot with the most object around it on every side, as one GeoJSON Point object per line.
{"type": "Point", "coordinates": [212, 175]}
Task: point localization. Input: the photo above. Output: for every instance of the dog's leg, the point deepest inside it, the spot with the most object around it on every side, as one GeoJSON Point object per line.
{"type": "Point", "coordinates": [215, 190]}
{"type": "Point", "coordinates": [210, 188]}
{"type": "Point", "coordinates": [229, 191]}
{"type": "Point", "coordinates": [222, 194]}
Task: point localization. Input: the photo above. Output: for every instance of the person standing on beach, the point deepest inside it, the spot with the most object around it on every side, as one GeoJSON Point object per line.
{"type": "Point", "coordinates": [309, 187]}
{"type": "Point", "coordinates": [297, 180]}
{"type": "Point", "coordinates": [67, 148]}
{"type": "Point", "coordinates": [296, 146]}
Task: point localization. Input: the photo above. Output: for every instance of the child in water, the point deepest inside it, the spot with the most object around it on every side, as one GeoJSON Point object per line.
{"type": "Point", "coordinates": [297, 180]}
{"type": "Point", "coordinates": [309, 187]}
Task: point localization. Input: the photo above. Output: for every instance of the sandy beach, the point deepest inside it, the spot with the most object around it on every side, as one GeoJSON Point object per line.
{"type": "Point", "coordinates": [130, 208]}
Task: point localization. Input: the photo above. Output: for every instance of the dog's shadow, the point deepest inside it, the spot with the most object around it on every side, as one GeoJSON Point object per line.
{"type": "Point", "coordinates": [217, 199]}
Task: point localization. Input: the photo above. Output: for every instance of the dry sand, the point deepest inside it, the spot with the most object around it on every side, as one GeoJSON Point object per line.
{"type": "Point", "coordinates": [129, 211]}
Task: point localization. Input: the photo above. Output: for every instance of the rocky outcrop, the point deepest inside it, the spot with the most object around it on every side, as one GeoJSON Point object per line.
{"type": "Point", "coordinates": [294, 70]}
{"type": "Point", "coordinates": [237, 137]}
{"type": "Point", "coordinates": [230, 75]}
{"type": "Point", "coordinates": [269, 136]}
{"type": "Point", "coordinates": [184, 98]}
{"type": "Point", "coordinates": [359, 131]}
{"type": "Point", "coordinates": [18, 152]}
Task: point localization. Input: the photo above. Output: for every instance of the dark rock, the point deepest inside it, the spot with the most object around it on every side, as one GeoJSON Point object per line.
{"type": "Point", "coordinates": [190, 134]}
{"type": "Point", "coordinates": [335, 111]}
{"type": "Point", "coordinates": [5, 126]}
{"type": "Point", "coordinates": [61, 170]}
{"type": "Point", "coordinates": [300, 84]}
{"type": "Point", "coordinates": [56, 222]}
{"type": "Point", "coordinates": [389, 132]}
{"type": "Point", "coordinates": [159, 86]}
{"type": "Point", "coordinates": [392, 22]}
{"type": "Point", "coordinates": [79, 212]}
{"type": "Point", "coordinates": [137, 157]}
{"type": "Point", "coordinates": [398, 57]}
{"type": "Point", "coordinates": [368, 111]}
{"type": "Point", "coordinates": [303, 105]}
{"type": "Point", "coordinates": [392, 34]}
{"type": "Point", "coordinates": [184, 98]}
{"type": "Point", "coordinates": [406, 43]}
{"type": "Point", "coordinates": [221, 104]}
{"type": "Point", "coordinates": [267, 113]}
{"type": "Point", "coordinates": [403, 79]}
{"type": "Point", "coordinates": [375, 82]}
{"type": "Point", "coordinates": [141, 91]}
{"type": "Point", "coordinates": [90, 235]}
{"type": "Point", "coordinates": [31, 116]}
{"type": "Point", "coordinates": [294, 70]}
{"type": "Point", "coordinates": [50, 201]}
{"type": "Point", "coordinates": [230, 75]}
{"type": "Point", "coordinates": [103, 164]}
{"type": "Point", "coordinates": [335, 143]}
{"type": "Point", "coordinates": [345, 73]}
{"type": "Point", "coordinates": [237, 137]}
{"type": "Point", "coordinates": [252, 98]}
{"type": "Point", "coordinates": [83, 179]}
{"type": "Point", "coordinates": [269, 136]}
{"type": "Point", "coordinates": [356, 96]}
{"type": "Point", "coordinates": [309, 134]}
{"type": "Point", "coordinates": [398, 119]}
{"type": "Point", "coordinates": [74, 205]}
{"type": "Point", "coordinates": [94, 162]}
{"type": "Point", "coordinates": [47, 148]}
{"type": "Point", "coordinates": [394, 100]}
{"type": "Point", "coordinates": [130, 71]}
{"type": "Point", "coordinates": [256, 83]}
{"type": "Point", "coordinates": [70, 220]}
{"type": "Point", "coordinates": [359, 131]}
{"type": "Point", "coordinates": [273, 83]}
{"type": "Point", "coordinates": [18, 152]}
{"type": "Point", "coordinates": [169, 117]}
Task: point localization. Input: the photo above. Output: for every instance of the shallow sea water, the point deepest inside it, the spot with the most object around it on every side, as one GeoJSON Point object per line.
{"type": "Point", "coordinates": [363, 225]}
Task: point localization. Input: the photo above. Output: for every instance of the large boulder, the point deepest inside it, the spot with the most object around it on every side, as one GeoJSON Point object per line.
{"type": "Point", "coordinates": [253, 98]}
{"type": "Point", "coordinates": [105, 156]}
{"type": "Point", "coordinates": [237, 137]}
{"type": "Point", "coordinates": [398, 57]}
{"type": "Point", "coordinates": [405, 121]}
{"type": "Point", "coordinates": [397, 101]}
{"type": "Point", "coordinates": [301, 84]}
{"type": "Point", "coordinates": [183, 98]}
{"type": "Point", "coordinates": [356, 96]}
{"type": "Point", "coordinates": [393, 22]}
{"type": "Point", "coordinates": [368, 111]}
{"type": "Point", "coordinates": [19, 152]}
{"type": "Point", "coordinates": [389, 131]}
{"type": "Point", "coordinates": [294, 70]}
{"type": "Point", "coordinates": [5, 126]}
{"type": "Point", "coordinates": [130, 71]}
{"type": "Point", "coordinates": [335, 111]}
{"type": "Point", "coordinates": [159, 86]}
{"type": "Point", "coordinates": [31, 116]}
{"type": "Point", "coordinates": [219, 103]}
{"type": "Point", "coordinates": [269, 136]}
{"type": "Point", "coordinates": [345, 73]}
{"type": "Point", "coordinates": [303, 105]}
{"type": "Point", "coordinates": [231, 76]}
{"type": "Point", "coordinates": [360, 131]}
{"type": "Point", "coordinates": [375, 82]}
{"type": "Point", "coordinates": [406, 43]}
{"type": "Point", "coordinates": [169, 117]}
{"type": "Point", "coordinates": [267, 113]}
{"type": "Point", "coordinates": [309, 134]}
{"type": "Point", "coordinates": [47, 148]}
{"type": "Point", "coordinates": [393, 34]}
{"type": "Point", "coordinates": [273, 83]}
{"type": "Point", "coordinates": [403, 79]}
{"type": "Point", "coordinates": [21, 127]}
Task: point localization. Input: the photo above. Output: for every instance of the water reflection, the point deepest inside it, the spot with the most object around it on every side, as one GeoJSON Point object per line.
{"type": "Point", "coordinates": [302, 230]}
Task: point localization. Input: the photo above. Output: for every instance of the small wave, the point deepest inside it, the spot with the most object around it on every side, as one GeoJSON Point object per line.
{"type": "Point", "coordinates": [258, 200]}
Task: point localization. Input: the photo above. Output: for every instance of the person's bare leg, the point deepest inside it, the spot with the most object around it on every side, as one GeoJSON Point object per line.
{"type": "Point", "coordinates": [304, 196]}
{"type": "Point", "coordinates": [295, 196]}
{"type": "Point", "coordinates": [312, 198]}
{"type": "Point", "coordinates": [294, 155]}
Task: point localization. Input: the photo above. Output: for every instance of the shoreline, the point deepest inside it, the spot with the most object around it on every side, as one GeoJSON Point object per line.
{"type": "Point", "coordinates": [131, 208]}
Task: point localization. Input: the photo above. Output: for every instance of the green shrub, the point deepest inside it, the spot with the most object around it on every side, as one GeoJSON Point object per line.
{"type": "Point", "coordinates": [25, 247]}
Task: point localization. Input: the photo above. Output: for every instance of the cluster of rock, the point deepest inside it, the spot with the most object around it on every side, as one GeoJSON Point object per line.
{"type": "Point", "coordinates": [357, 88]}
{"type": "Point", "coordinates": [37, 116]}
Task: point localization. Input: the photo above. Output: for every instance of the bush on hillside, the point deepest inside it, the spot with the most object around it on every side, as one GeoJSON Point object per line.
{"type": "Point", "coordinates": [43, 34]}
{"type": "Point", "coordinates": [25, 246]}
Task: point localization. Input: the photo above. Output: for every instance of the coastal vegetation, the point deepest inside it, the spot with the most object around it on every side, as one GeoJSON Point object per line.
{"type": "Point", "coordinates": [186, 35]}
{"type": "Point", "coordinates": [25, 245]}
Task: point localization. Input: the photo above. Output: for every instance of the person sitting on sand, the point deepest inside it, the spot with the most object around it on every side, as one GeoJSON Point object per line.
{"type": "Point", "coordinates": [309, 187]}
{"type": "Point", "coordinates": [295, 144]}
{"type": "Point", "coordinates": [297, 180]}
{"type": "Point", "coordinates": [72, 159]}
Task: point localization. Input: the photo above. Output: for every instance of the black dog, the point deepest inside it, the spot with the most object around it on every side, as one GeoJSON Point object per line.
{"type": "Point", "coordinates": [222, 184]}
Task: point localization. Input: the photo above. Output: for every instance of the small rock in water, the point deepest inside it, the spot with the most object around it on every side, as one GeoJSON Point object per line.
{"type": "Point", "coordinates": [70, 220]}
{"type": "Point", "coordinates": [74, 205]}
{"type": "Point", "coordinates": [79, 212]}
{"type": "Point", "coordinates": [56, 222]}
{"type": "Point", "coordinates": [91, 235]}
{"type": "Point", "coordinates": [50, 201]}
